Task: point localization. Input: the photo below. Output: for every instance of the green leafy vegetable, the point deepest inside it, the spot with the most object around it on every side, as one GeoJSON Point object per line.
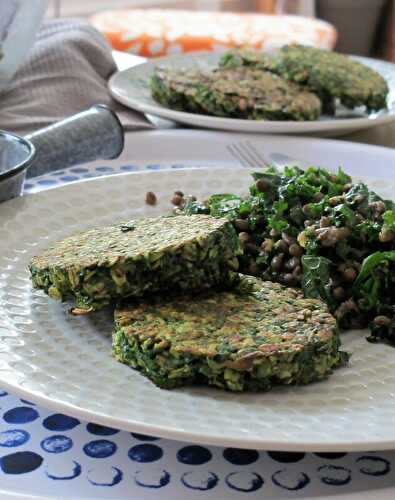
{"type": "Point", "coordinates": [314, 229]}
{"type": "Point", "coordinates": [316, 281]}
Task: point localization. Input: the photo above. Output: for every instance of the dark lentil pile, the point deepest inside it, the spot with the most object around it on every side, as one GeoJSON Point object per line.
{"type": "Point", "coordinates": [316, 230]}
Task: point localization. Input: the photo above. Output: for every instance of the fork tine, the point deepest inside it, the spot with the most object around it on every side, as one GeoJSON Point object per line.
{"type": "Point", "coordinates": [261, 159]}
{"type": "Point", "coordinates": [244, 153]}
{"type": "Point", "coordinates": [236, 153]}
{"type": "Point", "coordinates": [247, 154]}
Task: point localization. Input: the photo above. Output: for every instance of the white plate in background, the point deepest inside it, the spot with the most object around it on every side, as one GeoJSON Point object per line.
{"type": "Point", "coordinates": [131, 88]}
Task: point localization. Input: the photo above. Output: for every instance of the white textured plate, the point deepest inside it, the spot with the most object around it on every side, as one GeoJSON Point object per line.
{"type": "Point", "coordinates": [131, 88]}
{"type": "Point", "coordinates": [64, 362]}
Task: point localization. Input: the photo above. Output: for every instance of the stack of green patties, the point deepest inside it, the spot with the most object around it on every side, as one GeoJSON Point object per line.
{"type": "Point", "coordinates": [183, 314]}
{"type": "Point", "coordinates": [296, 83]}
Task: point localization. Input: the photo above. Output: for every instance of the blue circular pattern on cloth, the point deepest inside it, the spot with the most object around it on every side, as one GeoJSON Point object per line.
{"type": "Point", "coordinates": [13, 437]}
{"type": "Point", "coordinates": [104, 168]}
{"type": "Point", "coordinates": [115, 473]}
{"type": "Point", "coordinates": [145, 453]}
{"type": "Point", "coordinates": [27, 402]}
{"type": "Point", "coordinates": [47, 182]}
{"type": "Point", "coordinates": [178, 165]}
{"type": "Point", "coordinates": [129, 168]}
{"type": "Point", "coordinates": [3, 393]}
{"type": "Point", "coordinates": [286, 457]}
{"type": "Point", "coordinates": [76, 470]}
{"type": "Point", "coordinates": [143, 437]}
{"type": "Point", "coordinates": [371, 465]}
{"type": "Point", "coordinates": [290, 481]}
{"type": "Point", "coordinates": [60, 422]}
{"type": "Point", "coordinates": [79, 170]}
{"type": "Point", "coordinates": [101, 430]}
{"type": "Point", "coordinates": [69, 178]}
{"type": "Point", "coordinates": [194, 455]}
{"type": "Point", "coordinates": [102, 448]}
{"type": "Point", "coordinates": [331, 455]}
{"type": "Point", "coordinates": [199, 480]}
{"type": "Point", "coordinates": [334, 475]}
{"type": "Point", "coordinates": [237, 456]}
{"type": "Point", "coordinates": [245, 482]}
{"type": "Point", "coordinates": [56, 444]}
{"type": "Point", "coordinates": [153, 166]}
{"type": "Point", "coordinates": [20, 462]}
{"type": "Point", "coordinates": [21, 415]}
{"type": "Point", "coordinates": [162, 480]}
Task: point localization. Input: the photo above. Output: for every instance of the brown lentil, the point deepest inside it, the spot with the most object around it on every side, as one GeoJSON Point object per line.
{"type": "Point", "coordinates": [277, 262]}
{"type": "Point", "coordinates": [382, 320]}
{"type": "Point", "coordinates": [262, 185]}
{"type": "Point", "coordinates": [267, 245]}
{"type": "Point", "coordinates": [251, 248]}
{"type": "Point", "coordinates": [325, 221]}
{"type": "Point", "coordinates": [292, 263]}
{"type": "Point", "coordinates": [295, 250]}
{"type": "Point", "coordinates": [150, 198]}
{"type": "Point", "coordinates": [281, 246]}
{"type": "Point", "coordinates": [335, 200]}
{"type": "Point", "coordinates": [273, 232]}
{"type": "Point", "coordinates": [288, 278]}
{"type": "Point", "coordinates": [242, 225]}
{"type": "Point", "coordinates": [350, 274]}
{"type": "Point", "coordinates": [386, 235]}
{"type": "Point", "coordinates": [177, 200]}
{"type": "Point", "coordinates": [339, 293]}
{"type": "Point", "coordinates": [288, 239]}
{"type": "Point", "coordinates": [244, 237]}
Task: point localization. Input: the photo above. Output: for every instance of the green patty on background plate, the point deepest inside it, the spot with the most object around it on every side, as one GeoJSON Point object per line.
{"type": "Point", "coordinates": [332, 76]}
{"type": "Point", "coordinates": [234, 92]}
{"type": "Point", "coordinates": [258, 335]}
{"type": "Point", "coordinates": [103, 264]}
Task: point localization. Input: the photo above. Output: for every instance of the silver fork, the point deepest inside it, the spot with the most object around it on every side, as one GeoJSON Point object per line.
{"type": "Point", "coordinates": [249, 156]}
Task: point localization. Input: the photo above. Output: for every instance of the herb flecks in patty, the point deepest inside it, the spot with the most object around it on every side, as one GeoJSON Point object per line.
{"type": "Point", "coordinates": [251, 338]}
{"type": "Point", "coordinates": [137, 257]}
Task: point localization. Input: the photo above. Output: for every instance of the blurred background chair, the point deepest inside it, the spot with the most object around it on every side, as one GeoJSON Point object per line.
{"type": "Point", "coordinates": [363, 27]}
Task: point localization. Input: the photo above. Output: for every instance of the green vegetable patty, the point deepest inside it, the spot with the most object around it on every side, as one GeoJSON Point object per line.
{"type": "Point", "coordinates": [234, 92]}
{"type": "Point", "coordinates": [130, 259]}
{"type": "Point", "coordinates": [333, 76]}
{"type": "Point", "coordinates": [251, 338]}
{"type": "Point", "coordinates": [330, 75]}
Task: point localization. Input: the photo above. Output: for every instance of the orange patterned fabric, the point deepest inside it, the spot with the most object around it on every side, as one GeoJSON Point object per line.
{"type": "Point", "coordinates": [155, 32]}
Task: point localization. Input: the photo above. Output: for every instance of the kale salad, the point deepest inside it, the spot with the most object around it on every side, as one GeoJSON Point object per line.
{"type": "Point", "coordinates": [319, 231]}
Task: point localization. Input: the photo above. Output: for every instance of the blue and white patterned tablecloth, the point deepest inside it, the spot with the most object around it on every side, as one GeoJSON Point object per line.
{"type": "Point", "coordinates": [50, 455]}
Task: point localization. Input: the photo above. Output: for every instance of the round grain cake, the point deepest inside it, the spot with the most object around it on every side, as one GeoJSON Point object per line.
{"type": "Point", "coordinates": [332, 76]}
{"type": "Point", "coordinates": [234, 92]}
{"type": "Point", "coordinates": [258, 335]}
{"type": "Point", "coordinates": [94, 267]}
